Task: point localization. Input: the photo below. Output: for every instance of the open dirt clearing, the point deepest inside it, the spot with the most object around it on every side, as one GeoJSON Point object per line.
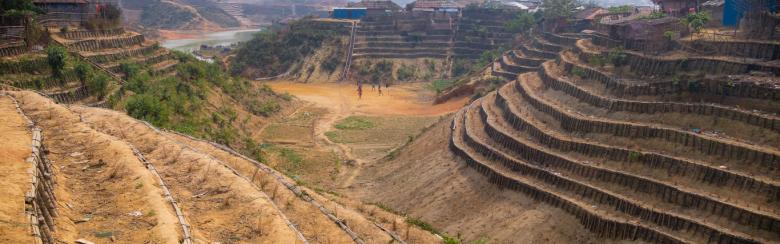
{"type": "Point", "coordinates": [17, 141]}
{"type": "Point", "coordinates": [400, 112]}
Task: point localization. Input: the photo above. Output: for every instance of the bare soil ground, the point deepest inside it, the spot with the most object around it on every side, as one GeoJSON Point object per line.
{"type": "Point", "coordinates": [399, 112]}
{"type": "Point", "coordinates": [103, 191]}
{"type": "Point", "coordinates": [222, 207]}
{"type": "Point", "coordinates": [422, 179]}
{"type": "Point", "coordinates": [17, 144]}
{"type": "Point", "coordinates": [427, 181]}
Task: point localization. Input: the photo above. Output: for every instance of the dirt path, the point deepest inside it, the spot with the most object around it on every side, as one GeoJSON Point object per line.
{"type": "Point", "coordinates": [341, 100]}
{"type": "Point", "coordinates": [17, 141]}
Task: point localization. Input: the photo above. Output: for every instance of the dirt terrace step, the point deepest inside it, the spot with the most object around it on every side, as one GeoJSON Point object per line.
{"type": "Point", "coordinates": [681, 224]}
{"type": "Point", "coordinates": [758, 156]}
{"type": "Point", "coordinates": [383, 44]}
{"type": "Point", "coordinates": [205, 186]}
{"type": "Point", "coordinates": [595, 220]}
{"type": "Point", "coordinates": [682, 200]}
{"type": "Point", "coordinates": [160, 56]}
{"type": "Point", "coordinates": [562, 84]}
{"type": "Point", "coordinates": [498, 70]}
{"type": "Point", "coordinates": [85, 34]}
{"type": "Point", "coordinates": [560, 40]}
{"type": "Point", "coordinates": [724, 85]}
{"type": "Point", "coordinates": [519, 58]}
{"type": "Point", "coordinates": [400, 50]}
{"type": "Point", "coordinates": [165, 66]}
{"type": "Point", "coordinates": [651, 65]}
{"type": "Point", "coordinates": [12, 50]}
{"type": "Point", "coordinates": [543, 45]}
{"type": "Point", "coordinates": [535, 53]}
{"type": "Point", "coordinates": [509, 65]}
{"type": "Point", "coordinates": [666, 166]}
{"type": "Point", "coordinates": [400, 55]}
{"type": "Point", "coordinates": [106, 43]}
{"type": "Point", "coordinates": [400, 38]}
{"type": "Point", "coordinates": [737, 48]}
{"type": "Point", "coordinates": [119, 53]}
{"type": "Point", "coordinates": [108, 188]}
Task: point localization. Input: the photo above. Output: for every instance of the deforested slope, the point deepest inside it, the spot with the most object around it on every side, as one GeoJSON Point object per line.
{"type": "Point", "coordinates": [428, 181]}
{"type": "Point", "coordinates": [122, 179]}
{"type": "Point", "coordinates": [614, 138]}
{"type": "Point", "coordinates": [102, 188]}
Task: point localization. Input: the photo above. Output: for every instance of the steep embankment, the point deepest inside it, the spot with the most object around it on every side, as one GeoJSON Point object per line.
{"type": "Point", "coordinates": [122, 179]}
{"type": "Point", "coordinates": [427, 181]}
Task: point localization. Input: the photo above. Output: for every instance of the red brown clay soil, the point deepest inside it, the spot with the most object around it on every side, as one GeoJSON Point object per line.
{"type": "Point", "coordinates": [17, 146]}
{"type": "Point", "coordinates": [429, 182]}
{"type": "Point", "coordinates": [103, 190]}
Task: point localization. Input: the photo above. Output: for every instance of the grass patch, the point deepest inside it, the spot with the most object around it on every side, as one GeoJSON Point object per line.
{"type": "Point", "coordinates": [355, 123]}
{"type": "Point", "coordinates": [441, 85]}
{"type": "Point", "coordinates": [333, 136]}
{"type": "Point", "coordinates": [422, 225]}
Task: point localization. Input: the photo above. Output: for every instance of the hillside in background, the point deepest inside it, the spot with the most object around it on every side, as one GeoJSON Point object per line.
{"type": "Point", "coordinates": [177, 15]}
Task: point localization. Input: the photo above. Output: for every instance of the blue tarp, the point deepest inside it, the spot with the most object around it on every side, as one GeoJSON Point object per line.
{"type": "Point", "coordinates": [349, 13]}
{"type": "Point", "coordinates": [733, 10]}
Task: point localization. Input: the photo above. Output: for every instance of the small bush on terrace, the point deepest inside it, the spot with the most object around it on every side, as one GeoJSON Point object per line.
{"type": "Point", "coordinates": [98, 85]}
{"type": "Point", "coordinates": [55, 56]}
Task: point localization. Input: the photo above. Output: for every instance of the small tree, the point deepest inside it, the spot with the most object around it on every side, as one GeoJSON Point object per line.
{"type": "Point", "coordinates": [554, 9]}
{"type": "Point", "coordinates": [56, 56]}
{"type": "Point", "coordinates": [83, 72]}
{"type": "Point", "coordinates": [696, 21]}
{"type": "Point", "coordinates": [98, 85]}
{"type": "Point", "coordinates": [522, 23]}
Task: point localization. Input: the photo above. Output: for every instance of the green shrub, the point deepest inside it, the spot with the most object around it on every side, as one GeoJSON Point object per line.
{"type": "Point", "coordinates": [421, 224]}
{"type": "Point", "coordinates": [441, 85]}
{"type": "Point", "coordinates": [83, 72]}
{"type": "Point", "coordinates": [405, 73]}
{"type": "Point", "coordinates": [98, 85]}
{"type": "Point", "coordinates": [148, 108]}
{"type": "Point", "coordinates": [522, 23]}
{"type": "Point", "coordinates": [56, 57]}
{"type": "Point", "coordinates": [634, 156]}
{"type": "Point", "coordinates": [579, 72]}
{"type": "Point", "coordinates": [266, 108]}
{"type": "Point", "coordinates": [331, 63]}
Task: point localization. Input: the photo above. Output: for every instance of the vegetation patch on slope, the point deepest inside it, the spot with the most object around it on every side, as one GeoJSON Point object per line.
{"type": "Point", "coordinates": [273, 52]}
{"type": "Point", "coordinates": [181, 102]}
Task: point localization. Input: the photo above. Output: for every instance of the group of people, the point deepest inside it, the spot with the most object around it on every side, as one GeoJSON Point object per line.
{"type": "Point", "coordinates": [374, 86]}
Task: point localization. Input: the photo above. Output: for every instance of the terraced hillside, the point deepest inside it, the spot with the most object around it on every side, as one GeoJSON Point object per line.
{"type": "Point", "coordinates": [102, 176]}
{"type": "Point", "coordinates": [630, 148]}
{"type": "Point", "coordinates": [108, 49]}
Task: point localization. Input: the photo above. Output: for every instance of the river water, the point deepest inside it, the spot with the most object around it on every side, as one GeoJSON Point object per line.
{"type": "Point", "coordinates": [224, 38]}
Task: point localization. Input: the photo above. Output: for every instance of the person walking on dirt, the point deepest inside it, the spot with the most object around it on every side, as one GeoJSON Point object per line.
{"type": "Point", "coordinates": [360, 90]}
{"type": "Point", "coordinates": [380, 90]}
